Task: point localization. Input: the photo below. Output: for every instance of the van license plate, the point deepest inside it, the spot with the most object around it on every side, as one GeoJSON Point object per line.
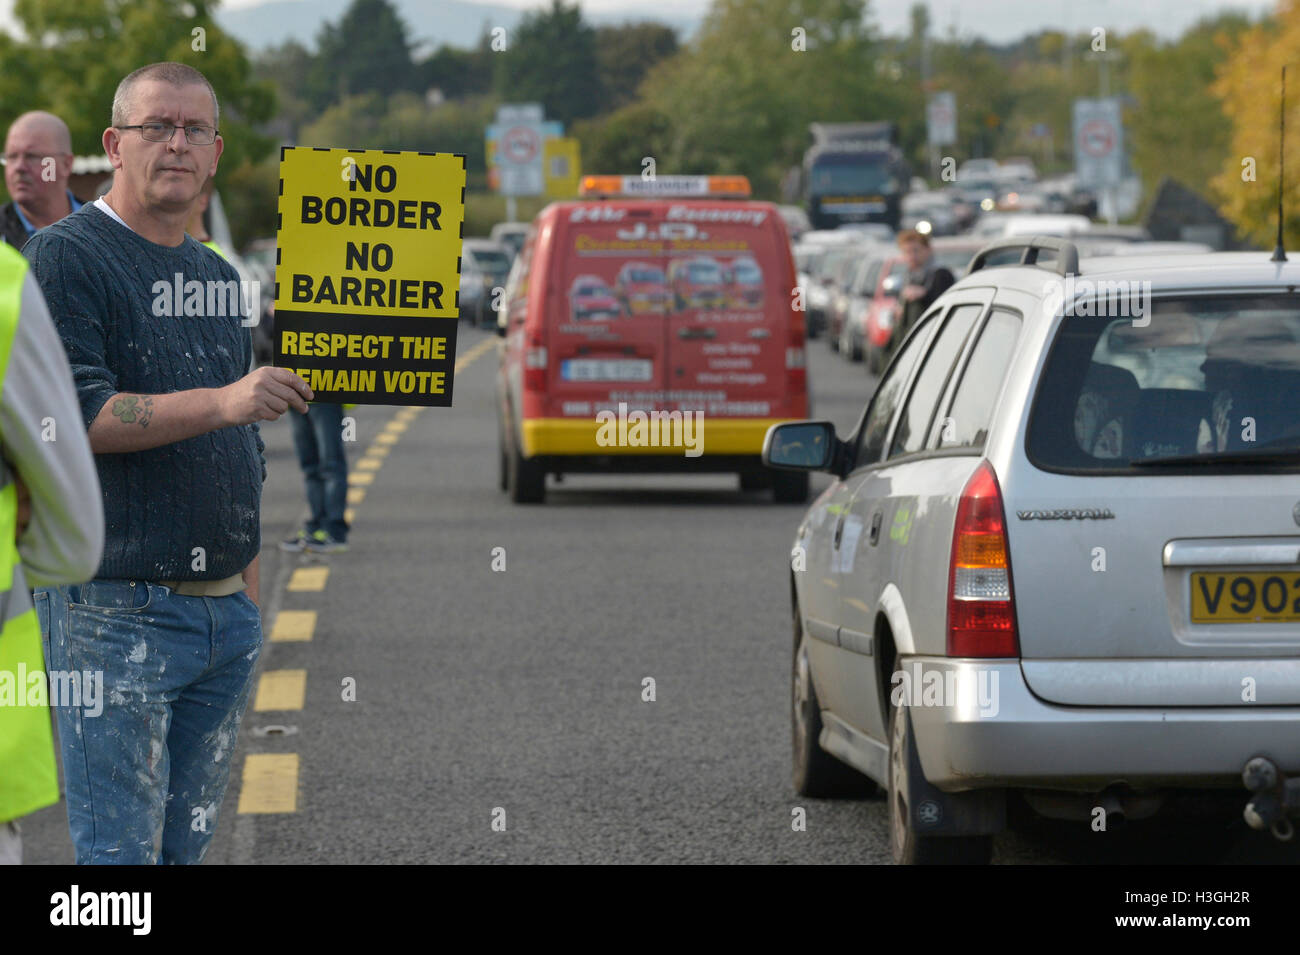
{"type": "Point", "coordinates": [1246, 597]}
{"type": "Point", "coordinates": [594, 369]}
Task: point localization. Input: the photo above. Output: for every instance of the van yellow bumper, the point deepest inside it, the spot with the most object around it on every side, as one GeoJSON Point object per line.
{"type": "Point", "coordinates": [543, 436]}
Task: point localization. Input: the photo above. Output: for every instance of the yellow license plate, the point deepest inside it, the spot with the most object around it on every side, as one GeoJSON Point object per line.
{"type": "Point", "coordinates": [1246, 597]}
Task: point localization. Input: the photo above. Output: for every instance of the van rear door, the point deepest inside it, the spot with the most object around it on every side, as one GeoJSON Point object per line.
{"type": "Point", "coordinates": [604, 346]}
{"type": "Point", "coordinates": [729, 333]}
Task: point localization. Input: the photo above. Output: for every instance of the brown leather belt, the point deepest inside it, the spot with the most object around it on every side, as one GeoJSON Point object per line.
{"type": "Point", "coordinates": [206, 588]}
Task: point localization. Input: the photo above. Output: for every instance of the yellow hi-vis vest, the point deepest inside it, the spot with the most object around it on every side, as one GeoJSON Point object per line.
{"type": "Point", "coordinates": [28, 777]}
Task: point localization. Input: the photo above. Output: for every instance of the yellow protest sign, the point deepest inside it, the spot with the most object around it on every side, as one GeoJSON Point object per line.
{"type": "Point", "coordinates": [367, 276]}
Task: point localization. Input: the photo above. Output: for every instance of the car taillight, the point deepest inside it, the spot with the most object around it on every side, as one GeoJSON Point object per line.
{"type": "Point", "coordinates": [535, 367]}
{"type": "Point", "coordinates": [981, 604]}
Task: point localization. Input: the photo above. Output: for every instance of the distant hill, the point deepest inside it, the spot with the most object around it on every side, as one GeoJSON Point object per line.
{"type": "Point", "coordinates": [432, 24]}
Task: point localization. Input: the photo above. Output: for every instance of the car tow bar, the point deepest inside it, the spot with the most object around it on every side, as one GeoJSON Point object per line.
{"type": "Point", "coordinates": [1276, 798]}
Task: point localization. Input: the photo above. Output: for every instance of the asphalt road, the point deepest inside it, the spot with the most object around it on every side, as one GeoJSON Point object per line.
{"type": "Point", "coordinates": [517, 695]}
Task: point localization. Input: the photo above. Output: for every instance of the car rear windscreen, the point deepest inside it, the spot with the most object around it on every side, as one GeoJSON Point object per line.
{"type": "Point", "coordinates": [490, 260]}
{"type": "Point", "coordinates": [1189, 381]}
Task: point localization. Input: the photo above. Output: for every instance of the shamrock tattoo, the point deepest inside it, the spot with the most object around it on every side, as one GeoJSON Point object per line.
{"type": "Point", "coordinates": [134, 409]}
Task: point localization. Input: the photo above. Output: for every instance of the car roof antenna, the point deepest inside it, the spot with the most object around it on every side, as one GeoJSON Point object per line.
{"type": "Point", "coordinates": [1279, 253]}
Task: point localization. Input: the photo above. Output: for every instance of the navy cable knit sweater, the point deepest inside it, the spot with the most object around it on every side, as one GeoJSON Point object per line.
{"type": "Point", "coordinates": [160, 505]}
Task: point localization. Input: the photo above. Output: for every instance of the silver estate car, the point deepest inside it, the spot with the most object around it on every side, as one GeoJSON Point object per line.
{"type": "Point", "coordinates": [1061, 553]}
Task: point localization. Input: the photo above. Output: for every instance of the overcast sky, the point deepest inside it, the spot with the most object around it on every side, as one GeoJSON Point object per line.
{"type": "Point", "coordinates": [997, 20]}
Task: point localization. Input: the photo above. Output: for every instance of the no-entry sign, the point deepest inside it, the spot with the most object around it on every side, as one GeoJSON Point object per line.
{"type": "Point", "coordinates": [1098, 142]}
{"type": "Point", "coordinates": [367, 279]}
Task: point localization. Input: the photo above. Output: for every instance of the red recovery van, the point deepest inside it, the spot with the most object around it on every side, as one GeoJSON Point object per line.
{"type": "Point", "coordinates": [691, 388]}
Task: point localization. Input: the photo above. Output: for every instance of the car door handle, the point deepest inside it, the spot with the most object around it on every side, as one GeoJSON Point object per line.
{"type": "Point", "coordinates": [697, 333]}
{"type": "Point", "coordinates": [839, 529]}
{"type": "Point", "coordinates": [875, 528]}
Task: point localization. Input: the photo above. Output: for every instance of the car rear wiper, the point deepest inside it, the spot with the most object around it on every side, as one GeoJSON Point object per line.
{"type": "Point", "coordinates": [1280, 456]}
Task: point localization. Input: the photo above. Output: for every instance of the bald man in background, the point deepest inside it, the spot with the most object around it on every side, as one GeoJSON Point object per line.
{"type": "Point", "coordinates": [38, 162]}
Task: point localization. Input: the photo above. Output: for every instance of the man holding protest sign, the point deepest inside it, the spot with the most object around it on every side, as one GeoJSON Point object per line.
{"type": "Point", "coordinates": [171, 618]}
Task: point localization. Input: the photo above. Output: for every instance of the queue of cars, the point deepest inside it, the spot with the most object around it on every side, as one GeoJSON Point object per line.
{"type": "Point", "coordinates": [1058, 565]}
{"type": "Point", "coordinates": [851, 277]}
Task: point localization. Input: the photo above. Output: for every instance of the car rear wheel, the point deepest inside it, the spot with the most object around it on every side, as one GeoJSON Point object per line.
{"type": "Point", "coordinates": [790, 487]}
{"type": "Point", "coordinates": [816, 773]}
{"type": "Point", "coordinates": [525, 481]}
{"type": "Point", "coordinates": [848, 347]}
{"type": "Point", "coordinates": [907, 846]}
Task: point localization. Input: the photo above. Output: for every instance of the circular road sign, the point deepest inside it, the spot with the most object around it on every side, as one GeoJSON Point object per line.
{"type": "Point", "coordinates": [520, 145]}
{"type": "Point", "coordinates": [1097, 138]}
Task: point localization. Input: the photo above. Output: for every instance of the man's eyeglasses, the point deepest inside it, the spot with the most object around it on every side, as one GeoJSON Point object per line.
{"type": "Point", "coordinates": [163, 133]}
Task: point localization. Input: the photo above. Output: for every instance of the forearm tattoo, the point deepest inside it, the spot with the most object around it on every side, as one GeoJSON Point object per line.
{"type": "Point", "coordinates": [134, 409]}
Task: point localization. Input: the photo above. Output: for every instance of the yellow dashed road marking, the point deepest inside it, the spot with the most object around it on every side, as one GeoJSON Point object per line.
{"type": "Point", "coordinates": [385, 437]}
{"type": "Point", "coordinates": [348, 515]}
{"type": "Point", "coordinates": [474, 353]}
{"type": "Point", "coordinates": [396, 427]}
{"type": "Point", "coordinates": [309, 578]}
{"type": "Point", "coordinates": [293, 625]}
{"type": "Point", "coordinates": [378, 450]}
{"type": "Point", "coordinates": [281, 690]}
{"type": "Point", "coordinates": [369, 464]}
{"type": "Point", "coordinates": [270, 783]}
{"type": "Point", "coordinates": [356, 495]}
{"type": "Point", "coordinates": [361, 477]}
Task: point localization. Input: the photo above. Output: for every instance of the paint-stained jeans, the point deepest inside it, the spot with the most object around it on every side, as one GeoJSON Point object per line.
{"type": "Point", "coordinates": [146, 777]}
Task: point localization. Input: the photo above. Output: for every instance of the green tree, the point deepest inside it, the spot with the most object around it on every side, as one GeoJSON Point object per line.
{"type": "Point", "coordinates": [287, 68]}
{"type": "Point", "coordinates": [404, 121]}
{"type": "Point", "coordinates": [1177, 125]}
{"type": "Point", "coordinates": [551, 59]}
{"type": "Point", "coordinates": [458, 72]}
{"type": "Point", "coordinates": [84, 49]}
{"type": "Point", "coordinates": [617, 142]}
{"type": "Point", "coordinates": [367, 52]}
{"type": "Point", "coordinates": [250, 194]}
{"type": "Point", "coordinates": [624, 54]}
{"type": "Point", "coordinates": [742, 94]}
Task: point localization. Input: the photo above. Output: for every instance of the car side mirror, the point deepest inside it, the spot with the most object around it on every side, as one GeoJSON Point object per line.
{"type": "Point", "coordinates": [800, 446]}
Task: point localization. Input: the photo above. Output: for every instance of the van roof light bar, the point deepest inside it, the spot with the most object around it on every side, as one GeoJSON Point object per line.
{"type": "Point", "coordinates": [665, 187]}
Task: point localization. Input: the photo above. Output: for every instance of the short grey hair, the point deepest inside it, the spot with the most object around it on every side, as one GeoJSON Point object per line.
{"type": "Point", "coordinates": [174, 74]}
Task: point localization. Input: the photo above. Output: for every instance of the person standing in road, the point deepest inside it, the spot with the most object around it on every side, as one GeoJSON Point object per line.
{"type": "Point", "coordinates": [926, 281]}
{"type": "Point", "coordinates": [171, 617]}
{"type": "Point", "coordinates": [318, 439]}
{"type": "Point", "coordinates": [38, 162]}
{"type": "Point", "coordinates": [51, 530]}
